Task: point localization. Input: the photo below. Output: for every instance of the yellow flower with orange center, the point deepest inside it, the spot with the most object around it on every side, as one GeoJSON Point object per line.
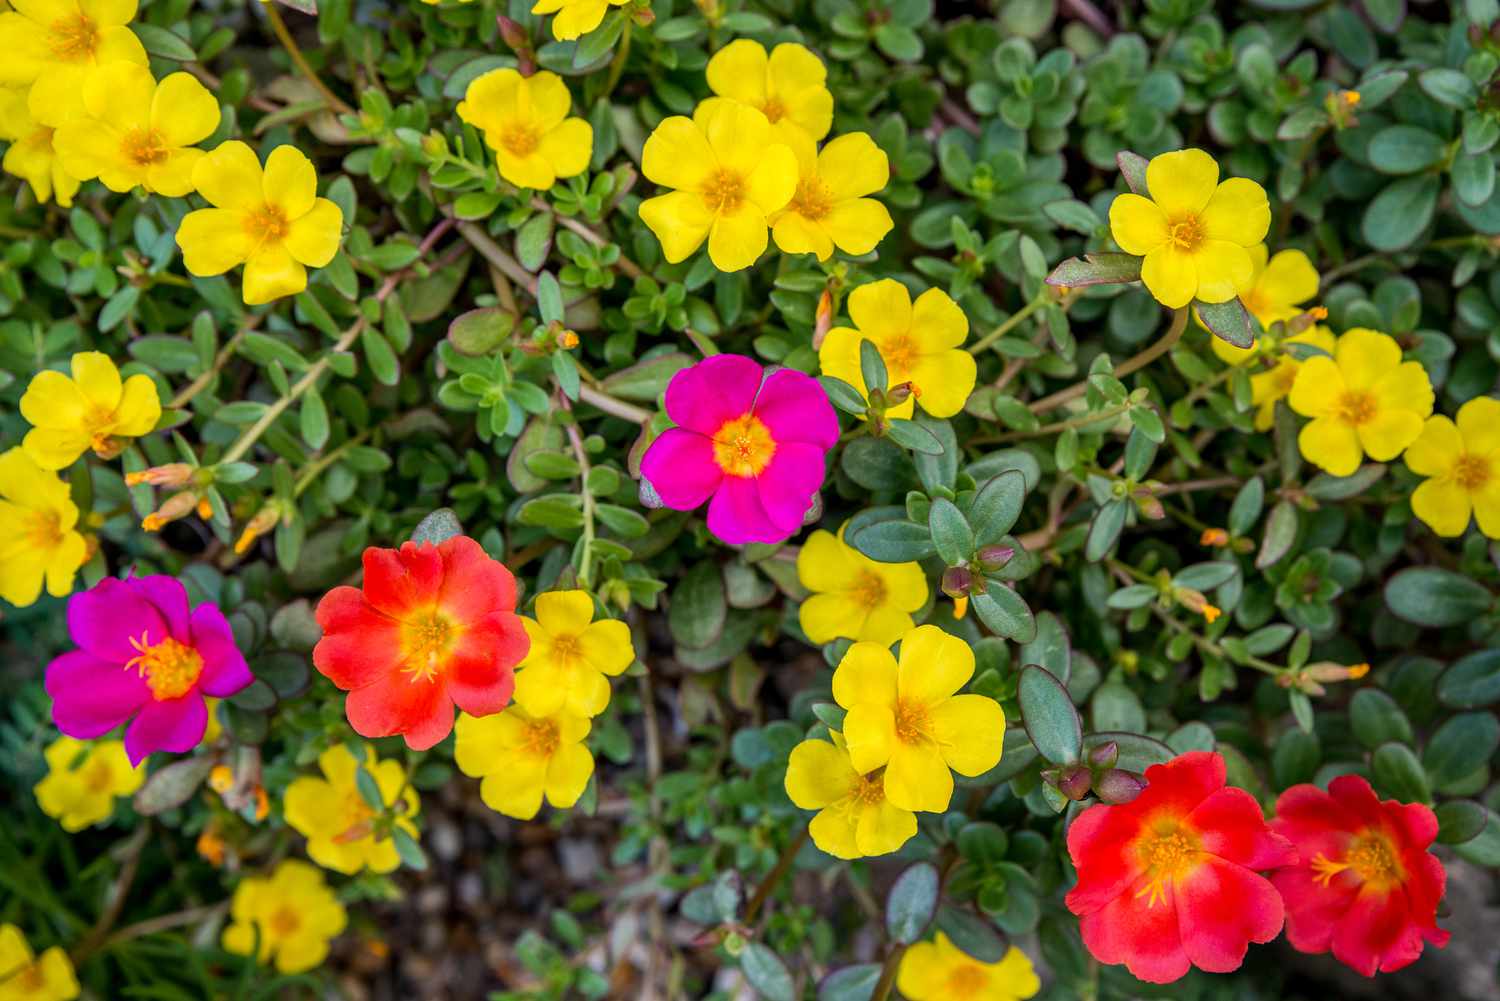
{"type": "Point", "coordinates": [522, 757]}
{"type": "Point", "coordinates": [789, 86]}
{"type": "Point", "coordinates": [830, 208]}
{"type": "Point", "coordinates": [855, 817]}
{"type": "Point", "coordinates": [39, 541]}
{"type": "Point", "coordinates": [853, 595]}
{"type": "Point", "coordinates": [27, 977]}
{"type": "Point", "coordinates": [575, 17]}
{"type": "Point", "coordinates": [92, 409]}
{"type": "Point", "coordinates": [572, 657]}
{"type": "Point", "coordinates": [271, 221]}
{"type": "Point", "coordinates": [1461, 460]}
{"type": "Point", "coordinates": [940, 971]}
{"type": "Point", "coordinates": [32, 155]}
{"type": "Point", "coordinates": [338, 822]}
{"type": "Point", "coordinates": [292, 915]}
{"type": "Point", "coordinates": [53, 46]}
{"type": "Point", "coordinates": [83, 780]}
{"type": "Point", "coordinates": [525, 121]}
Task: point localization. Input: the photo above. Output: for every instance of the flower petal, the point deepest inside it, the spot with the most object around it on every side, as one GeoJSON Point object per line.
{"type": "Point", "coordinates": [1479, 422]}
{"type": "Point", "coordinates": [795, 408]}
{"type": "Point", "coordinates": [314, 238]}
{"type": "Point", "coordinates": [90, 696]}
{"type": "Point", "coordinates": [1443, 505]}
{"type": "Point", "coordinates": [474, 585]}
{"type": "Point", "coordinates": [718, 389]}
{"type": "Point", "coordinates": [1388, 432]}
{"type": "Point", "coordinates": [1238, 213]}
{"type": "Point", "coordinates": [290, 181]}
{"type": "Point", "coordinates": [360, 644]}
{"type": "Point", "coordinates": [824, 562]}
{"type": "Point", "coordinates": [1138, 224]}
{"type": "Point", "coordinates": [1231, 827]}
{"type": "Point", "coordinates": [736, 239]}
{"type": "Point", "coordinates": [224, 669]}
{"type": "Point", "coordinates": [173, 725]}
{"type": "Point", "coordinates": [857, 226]}
{"type": "Point", "coordinates": [1223, 269]}
{"type": "Point", "coordinates": [880, 309]}
{"type": "Point", "coordinates": [677, 155]}
{"type": "Point", "coordinates": [934, 665]}
{"type": "Point", "coordinates": [883, 828]}
{"type": "Point", "coordinates": [1183, 182]}
{"type": "Point", "coordinates": [1170, 275]}
{"type": "Point", "coordinates": [867, 673]}
{"type": "Point", "coordinates": [229, 177]}
{"type": "Point", "coordinates": [1330, 444]}
{"type": "Point", "coordinates": [969, 730]}
{"type": "Point", "coordinates": [418, 709]}
{"type": "Point", "coordinates": [213, 240]}
{"type": "Point", "coordinates": [818, 774]}
{"type": "Point", "coordinates": [1221, 909]}
{"type": "Point", "coordinates": [183, 110]}
{"type": "Point", "coordinates": [681, 220]}
{"type": "Point", "coordinates": [852, 166]}
{"type": "Point", "coordinates": [1147, 939]}
{"type": "Point", "coordinates": [738, 71]}
{"type": "Point", "coordinates": [681, 468]}
{"type": "Point", "coordinates": [272, 273]}
{"type": "Point", "coordinates": [1364, 356]}
{"type": "Point", "coordinates": [737, 516]}
{"type": "Point", "coordinates": [110, 618]}
{"type": "Point", "coordinates": [568, 148]}
{"type": "Point", "coordinates": [1436, 449]}
{"type": "Point", "coordinates": [944, 381]}
{"type": "Point", "coordinates": [917, 777]}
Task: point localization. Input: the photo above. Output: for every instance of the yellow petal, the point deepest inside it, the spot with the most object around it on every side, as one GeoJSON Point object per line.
{"type": "Point", "coordinates": [548, 99]}
{"type": "Point", "coordinates": [835, 831]}
{"type": "Point", "coordinates": [969, 730]}
{"type": "Point", "coordinates": [1487, 508]}
{"type": "Point", "coordinates": [677, 155]}
{"type": "Point", "coordinates": [272, 273]}
{"type": "Point", "coordinates": [53, 400]}
{"type": "Point", "coordinates": [490, 101]}
{"type": "Point", "coordinates": [773, 181]}
{"type": "Point", "coordinates": [1237, 213]}
{"type": "Point", "coordinates": [825, 617]}
{"type": "Point", "coordinates": [866, 674]}
{"type": "Point", "coordinates": [738, 71]}
{"type": "Point", "coordinates": [1182, 182]}
{"type": "Point", "coordinates": [857, 226]}
{"type": "Point", "coordinates": [937, 322]}
{"type": "Point", "coordinates": [63, 563]}
{"type": "Point", "coordinates": [796, 78]}
{"type": "Point", "coordinates": [1364, 356]}
{"type": "Point", "coordinates": [1407, 388]}
{"type": "Point", "coordinates": [183, 110]}
{"type": "Point", "coordinates": [98, 379]}
{"type": "Point", "coordinates": [839, 356]}
{"type": "Point", "coordinates": [1170, 275]}
{"type": "Point", "coordinates": [577, 18]}
{"type": "Point", "coordinates": [1388, 432]}
{"type": "Point", "coordinates": [905, 584]}
{"type": "Point", "coordinates": [1330, 443]}
{"type": "Point", "coordinates": [945, 381]}
{"type": "Point", "coordinates": [934, 665]}
{"type": "Point", "coordinates": [120, 94]}
{"type": "Point", "coordinates": [1479, 424]}
{"type": "Point", "coordinates": [885, 625]}
{"type": "Point", "coordinates": [1436, 449]}
{"type": "Point", "coordinates": [880, 309]}
{"type": "Point", "coordinates": [1289, 279]}
{"type": "Point", "coordinates": [1319, 386]}
{"type": "Point", "coordinates": [737, 238]}
{"type": "Point", "coordinates": [542, 688]}
{"type": "Point", "coordinates": [173, 177]}
{"type": "Point", "coordinates": [313, 239]}
{"type": "Point", "coordinates": [795, 234]}
{"type": "Point", "coordinates": [852, 166]}
{"type": "Point", "coordinates": [1443, 505]}
{"type": "Point", "coordinates": [564, 612]}
{"type": "Point", "coordinates": [917, 778]}
{"type": "Point", "coordinates": [818, 774]}
{"type": "Point", "coordinates": [870, 735]}
{"type": "Point", "coordinates": [1223, 268]}
{"type": "Point", "coordinates": [606, 646]}
{"type": "Point", "coordinates": [139, 409]}
{"type": "Point", "coordinates": [290, 181]}
{"type": "Point", "coordinates": [1137, 224]}
{"type": "Point", "coordinates": [588, 693]}
{"type": "Point", "coordinates": [883, 828]}
{"type": "Point", "coordinates": [230, 178]}
{"type": "Point", "coordinates": [568, 775]}
{"type": "Point", "coordinates": [681, 221]}
{"type": "Point", "coordinates": [825, 562]}
{"type": "Point", "coordinates": [516, 791]}
{"type": "Point", "coordinates": [923, 976]}
{"type": "Point", "coordinates": [213, 240]}
{"type": "Point", "coordinates": [739, 136]}
{"type": "Point", "coordinates": [568, 147]}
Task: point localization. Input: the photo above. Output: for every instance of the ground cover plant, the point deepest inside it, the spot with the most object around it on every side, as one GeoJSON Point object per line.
{"type": "Point", "coordinates": [848, 499]}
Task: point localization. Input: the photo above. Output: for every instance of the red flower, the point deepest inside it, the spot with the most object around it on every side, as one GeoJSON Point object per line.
{"type": "Point", "coordinates": [1367, 887]}
{"type": "Point", "coordinates": [1169, 879]}
{"type": "Point", "coordinates": [433, 626]}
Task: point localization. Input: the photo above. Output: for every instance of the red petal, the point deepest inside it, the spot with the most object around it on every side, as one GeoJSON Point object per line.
{"type": "Point", "coordinates": [1100, 843]}
{"type": "Point", "coordinates": [481, 668]}
{"type": "Point", "coordinates": [420, 710]}
{"type": "Point", "coordinates": [474, 585]}
{"type": "Point", "coordinates": [1414, 824]}
{"type": "Point", "coordinates": [359, 644]}
{"type": "Point", "coordinates": [1183, 782]}
{"type": "Point", "coordinates": [1231, 826]}
{"type": "Point", "coordinates": [1313, 909]}
{"type": "Point", "coordinates": [1222, 908]}
{"type": "Point", "coordinates": [1145, 938]}
{"type": "Point", "coordinates": [1377, 933]}
{"type": "Point", "coordinates": [399, 581]}
{"type": "Point", "coordinates": [1358, 801]}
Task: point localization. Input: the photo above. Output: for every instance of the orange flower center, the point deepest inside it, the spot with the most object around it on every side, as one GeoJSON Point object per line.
{"type": "Point", "coordinates": [31, 980]}
{"type": "Point", "coordinates": [520, 139]}
{"type": "Point", "coordinates": [566, 649]}
{"type": "Point", "coordinates": [97, 776]}
{"type": "Point", "coordinates": [426, 640]}
{"type": "Point", "coordinates": [743, 446]}
{"type": "Point", "coordinates": [813, 200]}
{"type": "Point", "coordinates": [967, 980]}
{"type": "Point", "coordinates": [1254, 302]}
{"type": "Point", "coordinates": [725, 191]}
{"type": "Point", "coordinates": [869, 790]}
{"type": "Point", "coordinates": [267, 223]}
{"type": "Point", "coordinates": [1167, 853]}
{"type": "Point", "coordinates": [1284, 378]}
{"type": "Point", "coordinates": [359, 817]}
{"type": "Point", "coordinates": [869, 590]}
{"type": "Point", "coordinates": [73, 39]}
{"type": "Point", "coordinates": [1371, 857]}
{"type": "Point", "coordinates": [44, 529]}
{"type": "Point", "coordinates": [540, 738]}
{"type": "Point", "coordinates": [912, 721]}
{"type": "Point", "coordinates": [284, 922]}
{"type": "Point", "coordinates": [170, 668]}
{"type": "Point", "coordinates": [773, 109]}
{"type": "Point", "coordinates": [144, 146]}
{"type": "Point", "coordinates": [1186, 233]}
{"type": "Point", "coordinates": [1471, 472]}
{"type": "Point", "coordinates": [900, 353]}
{"type": "Point", "coordinates": [1357, 407]}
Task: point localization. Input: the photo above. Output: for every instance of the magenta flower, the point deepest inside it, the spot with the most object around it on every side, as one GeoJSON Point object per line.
{"type": "Point", "coordinates": [755, 448]}
{"type": "Point", "coordinates": [143, 654]}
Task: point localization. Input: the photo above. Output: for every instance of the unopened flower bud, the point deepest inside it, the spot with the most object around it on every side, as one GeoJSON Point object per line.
{"type": "Point", "coordinates": [960, 606]}
{"type": "Point", "coordinates": [211, 847]}
{"type": "Point", "coordinates": [643, 15]}
{"type": "Point", "coordinates": [1149, 505]}
{"type": "Point", "coordinates": [262, 522]}
{"type": "Point", "coordinates": [995, 557]}
{"type": "Point", "coordinates": [957, 581]}
{"type": "Point", "coordinates": [823, 318]}
{"type": "Point", "coordinates": [177, 506]}
{"type": "Point", "coordinates": [512, 34]}
{"type": "Point", "coordinates": [1074, 782]}
{"type": "Point", "coordinates": [1194, 601]}
{"type": "Point", "coordinates": [899, 393]}
{"type": "Point", "coordinates": [1105, 755]}
{"type": "Point", "coordinates": [1328, 671]}
{"type": "Point", "coordinates": [205, 509]}
{"type": "Point", "coordinates": [1118, 786]}
{"type": "Point", "coordinates": [1213, 537]}
{"type": "Point", "coordinates": [173, 474]}
{"type": "Point", "coordinates": [567, 339]}
{"type": "Point", "coordinates": [221, 779]}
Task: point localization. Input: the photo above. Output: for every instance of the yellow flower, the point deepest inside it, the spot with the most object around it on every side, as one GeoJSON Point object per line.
{"type": "Point", "coordinates": [1266, 387]}
{"type": "Point", "coordinates": [939, 971]}
{"type": "Point", "coordinates": [1363, 401]}
{"type": "Point", "coordinates": [570, 656]}
{"type": "Point", "coordinates": [31, 155]}
{"type": "Point", "coordinates": [1194, 233]}
{"type": "Point", "coordinates": [293, 912]}
{"type": "Point", "coordinates": [24, 977]}
{"type": "Point", "coordinates": [575, 17]}
{"type": "Point", "coordinates": [919, 343]}
{"type": "Point", "coordinates": [730, 175]}
{"type": "Point", "coordinates": [38, 540]}
{"type": "Point", "coordinates": [53, 46]}
{"type": "Point", "coordinates": [1462, 464]}
{"type": "Point", "coordinates": [522, 757]}
{"type": "Point", "coordinates": [910, 718]}
{"type": "Point", "coordinates": [1274, 294]}
{"type": "Point", "coordinates": [525, 121]}
{"type": "Point", "coordinates": [83, 780]}
{"type": "Point", "coordinates": [136, 133]}
{"type": "Point", "coordinates": [91, 410]}
{"type": "Point", "coordinates": [789, 86]}
{"type": "Point", "coordinates": [829, 207]}
{"type": "Point", "coordinates": [854, 596]}
{"type": "Point", "coordinates": [273, 222]}
{"type": "Point", "coordinates": [854, 819]}
{"type": "Point", "coordinates": [337, 822]}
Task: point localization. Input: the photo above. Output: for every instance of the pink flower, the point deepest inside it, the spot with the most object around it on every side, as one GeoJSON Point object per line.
{"type": "Point", "coordinates": [143, 654]}
{"type": "Point", "coordinates": [755, 448]}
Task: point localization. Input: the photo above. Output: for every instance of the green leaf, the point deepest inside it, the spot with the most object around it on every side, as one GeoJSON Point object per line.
{"type": "Point", "coordinates": [850, 983]}
{"type": "Point", "coordinates": [913, 436]}
{"type": "Point", "coordinates": [1430, 596]}
{"type": "Point", "coordinates": [1398, 774]}
{"type": "Point", "coordinates": [1048, 714]}
{"type": "Point", "coordinates": [438, 526]}
{"type": "Point", "coordinates": [1460, 820]}
{"type": "Point", "coordinates": [1133, 171]}
{"type": "Point", "coordinates": [910, 905]}
{"type": "Point", "coordinates": [951, 535]}
{"type": "Point", "coordinates": [1376, 719]}
{"type": "Point", "coordinates": [1405, 149]}
{"type": "Point", "coordinates": [974, 936]}
{"type": "Point", "coordinates": [549, 298]}
{"type": "Point", "coordinates": [646, 380]}
{"type": "Point", "coordinates": [1335, 488]}
{"type": "Point", "coordinates": [767, 973]}
{"type": "Point", "coordinates": [997, 505]}
{"type": "Point", "coordinates": [172, 785]}
{"type": "Point", "coordinates": [161, 42]}
{"type": "Point", "coordinates": [1460, 747]}
{"type": "Point", "coordinates": [480, 331]}
{"type": "Point", "coordinates": [1096, 269]}
{"type": "Point", "coordinates": [408, 849]}
{"type": "Point", "coordinates": [1472, 681]}
{"type": "Point", "coordinates": [872, 366]}
{"type": "Point", "coordinates": [1448, 86]}
{"type": "Point", "coordinates": [1105, 528]}
{"type": "Point", "coordinates": [698, 607]}
{"type": "Point", "coordinates": [895, 541]}
{"type": "Point", "coordinates": [1006, 612]}
{"type": "Point", "coordinates": [1280, 534]}
{"type": "Point", "coordinates": [843, 395]}
{"type": "Point", "coordinates": [1397, 216]}
{"type": "Point", "coordinates": [1228, 321]}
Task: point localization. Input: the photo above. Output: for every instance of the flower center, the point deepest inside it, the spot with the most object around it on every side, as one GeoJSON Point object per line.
{"type": "Point", "coordinates": [967, 981]}
{"type": "Point", "coordinates": [284, 922]}
{"type": "Point", "coordinates": [540, 738]}
{"type": "Point", "coordinates": [426, 639]}
{"type": "Point", "coordinates": [97, 777]}
{"type": "Point", "coordinates": [725, 191]}
{"type": "Point", "coordinates": [1166, 854]}
{"type": "Point", "coordinates": [813, 200]}
{"type": "Point", "coordinates": [39, 140]}
{"type": "Point", "coordinates": [912, 722]}
{"type": "Point", "coordinates": [520, 139]}
{"type": "Point", "coordinates": [900, 353]}
{"type": "Point", "coordinates": [170, 668]}
{"type": "Point", "coordinates": [743, 446]}
{"type": "Point", "coordinates": [144, 147]}
{"type": "Point", "coordinates": [1285, 377]}
{"type": "Point", "coordinates": [31, 980]}
{"type": "Point", "coordinates": [773, 109]}
{"type": "Point", "coordinates": [869, 590]}
{"type": "Point", "coordinates": [358, 816]}
{"type": "Point", "coordinates": [44, 530]}
{"type": "Point", "coordinates": [74, 39]}
{"type": "Point", "coordinates": [267, 223]}
{"type": "Point", "coordinates": [566, 649]}
{"type": "Point", "coordinates": [1187, 233]}
{"type": "Point", "coordinates": [1255, 303]}
{"type": "Point", "coordinates": [1471, 472]}
{"type": "Point", "coordinates": [1370, 857]}
{"type": "Point", "coordinates": [1356, 407]}
{"type": "Point", "coordinates": [869, 790]}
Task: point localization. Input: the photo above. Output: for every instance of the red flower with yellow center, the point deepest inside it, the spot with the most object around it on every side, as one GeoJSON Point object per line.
{"type": "Point", "coordinates": [433, 626]}
{"type": "Point", "coordinates": [1367, 887]}
{"type": "Point", "coordinates": [1172, 878]}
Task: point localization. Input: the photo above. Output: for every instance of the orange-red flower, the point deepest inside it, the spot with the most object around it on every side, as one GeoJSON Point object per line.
{"type": "Point", "coordinates": [433, 626]}
{"type": "Point", "coordinates": [1366, 887]}
{"type": "Point", "coordinates": [1170, 879]}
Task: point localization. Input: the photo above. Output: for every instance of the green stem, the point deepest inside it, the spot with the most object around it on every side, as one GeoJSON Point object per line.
{"type": "Point", "coordinates": [197, 386]}
{"type": "Point", "coordinates": [1084, 420]}
{"type": "Point", "coordinates": [610, 405]}
{"type": "Point", "coordinates": [783, 864]}
{"type": "Point", "coordinates": [586, 540]}
{"type": "Point", "coordinates": [1139, 361]}
{"type": "Point", "coordinates": [278, 27]}
{"type": "Point", "coordinates": [888, 973]}
{"type": "Point", "coordinates": [1021, 314]}
{"type": "Point", "coordinates": [314, 470]}
{"type": "Point", "coordinates": [617, 65]}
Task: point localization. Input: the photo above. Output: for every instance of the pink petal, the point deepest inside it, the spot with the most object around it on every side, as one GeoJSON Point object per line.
{"type": "Point", "coordinates": [717, 389]}
{"type": "Point", "coordinates": [795, 407]}
{"type": "Point", "coordinates": [105, 618]}
{"type": "Point", "coordinates": [171, 600]}
{"type": "Point", "coordinates": [737, 516]}
{"type": "Point", "coordinates": [1230, 826]}
{"type": "Point", "coordinates": [400, 581]}
{"type": "Point", "coordinates": [680, 466]}
{"type": "Point", "coordinates": [474, 585]}
{"type": "Point", "coordinates": [174, 725]}
{"type": "Point", "coordinates": [91, 697]}
{"type": "Point", "coordinates": [1145, 938]}
{"type": "Point", "coordinates": [1221, 909]}
{"type": "Point", "coordinates": [360, 644]}
{"type": "Point", "coordinates": [1357, 799]}
{"type": "Point", "coordinates": [788, 483]}
{"type": "Point", "coordinates": [224, 669]}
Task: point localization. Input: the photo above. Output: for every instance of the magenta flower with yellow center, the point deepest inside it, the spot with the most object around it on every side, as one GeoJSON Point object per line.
{"type": "Point", "coordinates": [53, 46]}
{"type": "Point", "coordinates": [271, 221]}
{"type": "Point", "coordinates": [144, 657]}
{"type": "Point", "coordinates": [753, 449]}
